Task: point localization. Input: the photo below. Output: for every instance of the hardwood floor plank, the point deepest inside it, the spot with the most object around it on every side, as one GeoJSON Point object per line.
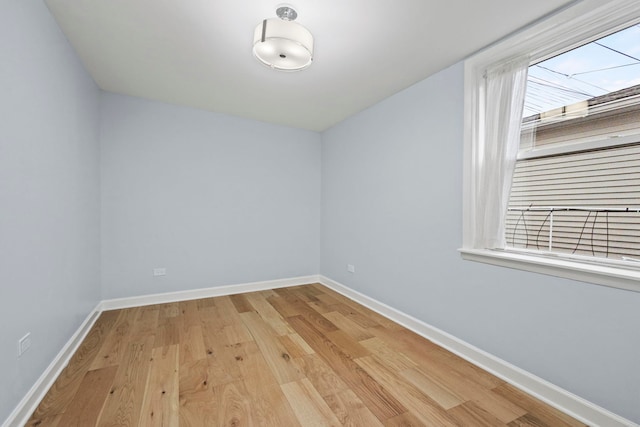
{"type": "Point", "coordinates": [378, 400]}
{"type": "Point", "coordinates": [145, 324]}
{"type": "Point", "coordinates": [189, 314]}
{"type": "Point", "coordinates": [283, 307]}
{"type": "Point", "coordinates": [270, 407]}
{"type": "Point", "coordinates": [538, 409]}
{"type": "Point", "coordinates": [405, 420]}
{"type": "Point", "coordinates": [253, 367]}
{"type": "Point", "coordinates": [350, 410]}
{"type": "Point", "coordinates": [241, 303]}
{"type": "Point", "coordinates": [435, 391]}
{"type": "Point", "coordinates": [160, 406]}
{"type": "Point", "coordinates": [294, 304]}
{"type": "Point", "coordinates": [419, 404]}
{"type": "Point", "coordinates": [470, 414]}
{"type": "Point", "coordinates": [237, 333]}
{"type": "Point", "coordinates": [192, 346]}
{"type": "Point", "coordinates": [225, 316]}
{"type": "Point", "coordinates": [360, 309]}
{"type": "Point", "coordinates": [233, 404]}
{"type": "Point", "coordinates": [320, 306]}
{"type": "Point", "coordinates": [426, 353]}
{"type": "Point", "coordinates": [274, 353]}
{"type": "Point", "coordinates": [198, 409]}
{"type": "Point", "coordinates": [168, 332]}
{"type": "Point", "coordinates": [302, 343]}
{"type": "Point", "coordinates": [393, 358]}
{"type": "Point", "coordinates": [61, 394]}
{"type": "Point", "coordinates": [52, 421]}
{"type": "Point", "coordinates": [454, 375]}
{"type": "Point", "coordinates": [323, 296]}
{"type": "Point", "coordinates": [197, 399]}
{"type": "Point", "coordinates": [293, 357]}
{"type": "Point", "coordinates": [90, 398]}
{"type": "Point", "coordinates": [527, 420]}
{"type": "Point", "coordinates": [193, 377]}
{"type": "Point", "coordinates": [268, 313]}
{"type": "Point", "coordinates": [227, 309]}
{"type": "Point", "coordinates": [503, 409]}
{"type": "Point", "coordinates": [313, 290]}
{"type": "Point", "coordinates": [347, 344]}
{"type": "Point", "coordinates": [267, 293]}
{"type": "Point", "coordinates": [304, 292]}
{"type": "Point", "coordinates": [309, 407]}
{"type": "Point", "coordinates": [355, 315]}
{"type": "Point", "coordinates": [292, 347]}
{"type": "Point", "coordinates": [323, 378]}
{"type": "Point", "coordinates": [167, 312]}
{"type": "Point", "coordinates": [466, 389]}
{"type": "Point", "coordinates": [350, 327]}
{"type": "Point", "coordinates": [325, 302]}
{"type": "Point", "coordinates": [114, 346]}
{"type": "Point", "coordinates": [122, 406]}
{"type": "Point", "coordinates": [221, 357]}
{"type": "Point", "coordinates": [205, 303]}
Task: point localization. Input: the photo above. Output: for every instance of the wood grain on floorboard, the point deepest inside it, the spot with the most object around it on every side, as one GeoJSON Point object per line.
{"type": "Point", "coordinates": [300, 356]}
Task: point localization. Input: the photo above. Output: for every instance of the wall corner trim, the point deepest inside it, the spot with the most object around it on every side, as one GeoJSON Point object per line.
{"type": "Point", "coordinates": [563, 400]}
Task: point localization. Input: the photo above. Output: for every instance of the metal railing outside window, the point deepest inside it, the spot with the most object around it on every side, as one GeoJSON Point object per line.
{"type": "Point", "coordinates": [588, 230]}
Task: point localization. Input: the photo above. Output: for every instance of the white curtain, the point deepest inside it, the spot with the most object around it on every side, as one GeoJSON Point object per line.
{"type": "Point", "coordinates": [498, 147]}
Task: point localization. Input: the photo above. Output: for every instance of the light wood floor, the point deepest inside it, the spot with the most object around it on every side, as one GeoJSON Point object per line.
{"type": "Point", "coordinates": [301, 356]}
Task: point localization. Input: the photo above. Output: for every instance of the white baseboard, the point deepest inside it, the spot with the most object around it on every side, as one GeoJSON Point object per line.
{"type": "Point", "coordinates": [31, 400]}
{"type": "Point", "coordinates": [551, 394]}
{"type": "Point", "coordinates": [138, 301]}
{"type": "Point", "coordinates": [555, 396]}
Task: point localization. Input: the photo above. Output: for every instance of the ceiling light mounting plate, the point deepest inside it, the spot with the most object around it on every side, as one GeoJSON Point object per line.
{"type": "Point", "coordinates": [286, 12]}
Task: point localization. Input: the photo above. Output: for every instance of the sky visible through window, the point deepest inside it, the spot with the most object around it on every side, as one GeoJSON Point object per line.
{"type": "Point", "coordinates": [606, 65]}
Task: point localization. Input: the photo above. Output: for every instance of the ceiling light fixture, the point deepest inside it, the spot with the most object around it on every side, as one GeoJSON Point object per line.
{"type": "Point", "coordinates": [282, 44]}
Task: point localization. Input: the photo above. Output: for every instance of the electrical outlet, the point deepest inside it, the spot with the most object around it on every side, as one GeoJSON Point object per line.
{"type": "Point", "coordinates": [160, 271]}
{"type": "Point", "coordinates": [24, 344]}
{"type": "Point", "coordinates": [351, 268]}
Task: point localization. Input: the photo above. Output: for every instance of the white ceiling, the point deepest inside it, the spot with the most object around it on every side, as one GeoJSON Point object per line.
{"type": "Point", "coordinates": [198, 52]}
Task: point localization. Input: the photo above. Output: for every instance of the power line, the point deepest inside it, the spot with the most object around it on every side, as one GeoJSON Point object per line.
{"type": "Point", "coordinates": [617, 51]}
{"type": "Point", "coordinates": [605, 69]}
{"type": "Point", "coordinates": [547, 83]}
{"type": "Point", "coordinates": [571, 77]}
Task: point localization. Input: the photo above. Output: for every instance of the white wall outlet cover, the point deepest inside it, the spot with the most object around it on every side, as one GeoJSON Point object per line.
{"type": "Point", "coordinates": [24, 344]}
{"type": "Point", "coordinates": [351, 268]}
{"type": "Point", "coordinates": [159, 271]}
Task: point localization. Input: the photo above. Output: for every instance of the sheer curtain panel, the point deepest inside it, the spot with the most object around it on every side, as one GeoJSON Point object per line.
{"type": "Point", "coordinates": [505, 86]}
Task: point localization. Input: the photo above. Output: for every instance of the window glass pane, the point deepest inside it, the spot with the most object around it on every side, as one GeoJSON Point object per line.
{"type": "Point", "coordinates": [576, 188]}
{"type": "Point", "coordinates": [607, 65]}
{"type": "Point", "coordinates": [584, 203]}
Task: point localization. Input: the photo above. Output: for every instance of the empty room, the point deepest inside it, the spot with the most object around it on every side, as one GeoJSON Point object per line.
{"type": "Point", "coordinates": [412, 213]}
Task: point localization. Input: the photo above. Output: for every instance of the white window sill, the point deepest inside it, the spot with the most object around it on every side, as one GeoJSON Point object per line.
{"type": "Point", "coordinates": [606, 275]}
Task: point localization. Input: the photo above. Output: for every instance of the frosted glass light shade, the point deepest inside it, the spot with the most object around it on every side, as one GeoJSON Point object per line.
{"type": "Point", "coordinates": [283, 45]}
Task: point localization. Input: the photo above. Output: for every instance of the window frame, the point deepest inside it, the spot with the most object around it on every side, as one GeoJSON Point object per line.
{"type": "Point", "coordinates": [564, 30]}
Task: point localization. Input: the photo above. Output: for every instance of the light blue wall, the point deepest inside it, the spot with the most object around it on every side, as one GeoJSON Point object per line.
{"type": "Point", "coordinates": [49, 203]}
{"type": "Point", "coordinates": [392, 207]}
{"type": "Point", "coordinates": [212, 198]}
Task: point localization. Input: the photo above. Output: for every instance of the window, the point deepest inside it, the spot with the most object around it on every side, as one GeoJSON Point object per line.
{"type": "Point", "coordinates": [570, 149]}
{"type": "Point", "coordinates": [576, 185]}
